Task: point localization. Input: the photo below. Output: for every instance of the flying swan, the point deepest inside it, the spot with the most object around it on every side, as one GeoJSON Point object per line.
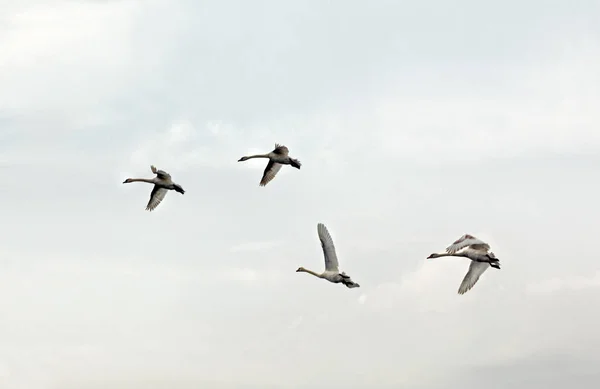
{"type": "Point", "coordinates": [277, 158]}
{"type": "Point", "coordinates": [331, 273]}
{"type": "Point", "coordinates": [478, 252]}
{"type": "Point", "coordinates": [162, 184]}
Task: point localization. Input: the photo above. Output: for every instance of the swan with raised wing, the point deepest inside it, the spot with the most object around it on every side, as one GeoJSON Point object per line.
{"type": "Point", "coordinates": [277, 158]}
{"type": "Point", "coordinates": [331, 273]}
{"type": "Point", "coordinates": [162, 184]}
{"type": "Point", "coordinates": [477, 251]}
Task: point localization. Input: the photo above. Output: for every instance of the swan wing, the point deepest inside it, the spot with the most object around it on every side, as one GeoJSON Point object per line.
{"type": "Point", "coordinates": [157, 195]}
{"type": "Point", "coordinates": [476, 269]}
{"type": "Point", "coordinates": [331, 261]}
{"type": "Point", "coordinates": [281, 149]}
{"type": "Point", "coordinates": [270, 172]}
{"type": "Point", "coordinates": [163, 175]}
{"type": "Point", "coordinates": [466, 241]}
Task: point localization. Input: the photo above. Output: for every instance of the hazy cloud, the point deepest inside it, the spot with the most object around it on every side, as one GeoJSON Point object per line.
{"type": "Point", "coordinates": [415, 123]}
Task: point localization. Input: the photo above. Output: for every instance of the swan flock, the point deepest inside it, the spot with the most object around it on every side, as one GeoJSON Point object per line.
{"type": "Point", "coordinates": [467, 246]}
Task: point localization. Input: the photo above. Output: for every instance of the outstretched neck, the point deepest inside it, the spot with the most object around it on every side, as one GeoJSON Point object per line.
{"type": "Point", "coordinates": [447, 255]}
{"type": "Point", "coordinates": [148, 180]}
{"type": "Point", "coordinates": [257, 156]}
{"type": "Point", "coordinates": [311, 272]}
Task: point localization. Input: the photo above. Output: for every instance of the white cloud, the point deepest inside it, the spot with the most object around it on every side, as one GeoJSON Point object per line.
{"type": "Point", "coordinates": [256, 276]}
{"type": "Point", "coordinates": [550, 111]}
{"type": "Point", "coordinates": [172, 149]}
{"type": "Point", "coordinates": [296, 323]}
{"type": "Point", "coordinates": [383, 116]}
{"type": "Point", "coordinates": [255, 246]}
{"type": "Point", "coordinates": [89, 42]}
{"type": "Point", "coordinates": [559, 284]}
{"type": "Point", "coordinates": [243, 274]}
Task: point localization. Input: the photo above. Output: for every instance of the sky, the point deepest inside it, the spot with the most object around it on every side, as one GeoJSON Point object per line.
{"type": "Point", "coordinates": [415, 122]}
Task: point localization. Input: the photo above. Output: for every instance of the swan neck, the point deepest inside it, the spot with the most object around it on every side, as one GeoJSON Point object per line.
{"type": "Point", "coordinates": [148, 180]}
{"type": "Point", "coordinates": [312, 272]}
{"type": "Point", "coordinates": [258, 156]}
{"type": "Point", "coordinates": [448, 255]}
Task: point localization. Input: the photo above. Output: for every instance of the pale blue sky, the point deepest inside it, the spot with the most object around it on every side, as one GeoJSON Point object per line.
{"type": "Point", "coordinates": [415, 122]}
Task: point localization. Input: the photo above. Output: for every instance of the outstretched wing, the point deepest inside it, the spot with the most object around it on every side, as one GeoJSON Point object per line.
{"type": "Point", "coordinates": [331, 261]}
{"type": "Point", "coordinates": [280, 149]}
{"type": "Point", "coordinates": [270, 172]}
{"type": "Point", "coordinates": [466, 241]}
{"type": "Point", "coordinates": [163, 175]}
{"type": "Point", "coordinates": [157, 195]}
{"type": "Point", "coordinates": [476, 269]}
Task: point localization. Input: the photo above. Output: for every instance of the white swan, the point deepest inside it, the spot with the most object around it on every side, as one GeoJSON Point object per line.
{"type": "Point", "coordinates": [162, 184]}
{"type": "Point", "coordinates": [478, 252]}
{"type": "Point", "coordinates": [331, 273]}
{"type": "Point", "coordinates": [277, 158]}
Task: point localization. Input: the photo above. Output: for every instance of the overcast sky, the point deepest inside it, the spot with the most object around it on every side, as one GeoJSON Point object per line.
{"type": "Point", "coordinates": [415, 122]}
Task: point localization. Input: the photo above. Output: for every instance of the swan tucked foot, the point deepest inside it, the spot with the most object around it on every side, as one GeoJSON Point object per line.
{"type": "Point", "coordinates": [332, 272]}
{"type": "Point", "coordinates": [349, 283]}
{"type": "Point", "coordinates": [486, 260]}
{"type": "Point", "coordinates": [295, 163]}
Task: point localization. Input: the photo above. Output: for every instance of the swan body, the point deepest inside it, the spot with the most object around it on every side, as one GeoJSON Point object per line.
{"type": "Point", "coordinates": [477, 251]}
{"type": "Point", "coordinates": [331, 273]}
{"type": "Point", "coordinates": [162, 184]}
{"type": "Point", "coordinates": [277, 158]}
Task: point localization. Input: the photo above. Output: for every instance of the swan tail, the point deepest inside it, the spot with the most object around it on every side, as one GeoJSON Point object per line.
{"type": "Point", "coordinates": [295, 163]}
{"type": "Point", "coordinates": [178, 188]}
{"type": "Point", "coordinates": [349, 283]}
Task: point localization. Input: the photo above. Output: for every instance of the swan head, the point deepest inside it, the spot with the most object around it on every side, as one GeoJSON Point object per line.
{"type": "Point", "coordinates": [242, 159]}
{"type": "Point", "coordinates": [300, 269]}
{"type": "Point", "coordinates": [127, 181]}
{"type": "Point", "coordinates": [434, 255]}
